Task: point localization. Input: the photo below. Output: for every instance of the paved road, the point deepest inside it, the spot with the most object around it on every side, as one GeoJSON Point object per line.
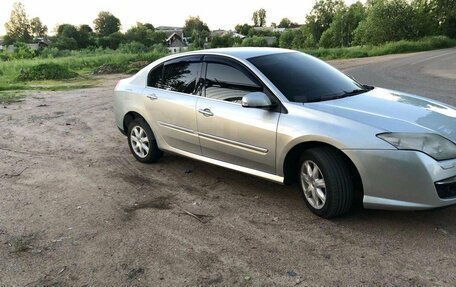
{"type": "Point", "coordinates": [430, 74]}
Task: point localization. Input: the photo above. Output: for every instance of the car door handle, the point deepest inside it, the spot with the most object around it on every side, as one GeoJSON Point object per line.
{"type": "Point", "coordinates": [206, 112]}
{"type": "Point", "coordinates": [152, 97]}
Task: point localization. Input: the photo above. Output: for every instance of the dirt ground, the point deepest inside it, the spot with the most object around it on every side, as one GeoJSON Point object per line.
{"type": "Point", "coordinates": [76, 209]}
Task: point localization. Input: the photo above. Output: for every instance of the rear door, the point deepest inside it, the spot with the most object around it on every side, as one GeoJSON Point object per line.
{"type": "Point", "coordinates": [172, 93]}
{"type": "Point", "coordinates": [228, 131]}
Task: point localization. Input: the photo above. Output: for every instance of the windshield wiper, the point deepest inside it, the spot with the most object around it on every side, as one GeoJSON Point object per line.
{"type": "Point", "coordinates": [353, 92]}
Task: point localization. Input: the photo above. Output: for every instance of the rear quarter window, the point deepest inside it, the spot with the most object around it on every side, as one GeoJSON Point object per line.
{"type": "Point", "coordinates": [155, 77]}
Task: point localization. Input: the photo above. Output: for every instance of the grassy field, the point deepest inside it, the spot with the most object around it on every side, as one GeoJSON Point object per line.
{"type": "Point", "coordinates": [85, 64]}
{"type": "Point", "coordinates": [425, 44]}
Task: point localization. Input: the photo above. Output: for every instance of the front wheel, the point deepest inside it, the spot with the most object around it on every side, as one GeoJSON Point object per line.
{"type": "Point", "coordinates": [142, 143]}
{"type": "Point", "coordinates": [326, 183]}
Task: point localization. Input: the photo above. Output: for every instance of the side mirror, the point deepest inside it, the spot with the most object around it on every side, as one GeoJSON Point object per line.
{"type": "Point", "coordinates": [257, 100]}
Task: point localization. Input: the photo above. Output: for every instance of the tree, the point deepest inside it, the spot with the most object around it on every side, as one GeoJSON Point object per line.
{"type": "Point", "coordinates": [70, 37]}
{"type": "Point", "coordinates": [67, 30]}
{"type": "Point", "coordinates": [85, 29]}
{"type": "Point", "coordinates": [243, 29]}
{"type": "Point", "coordinates": [112, 41]}
{"type": "Point", "coordinates": [340, 31]}
{"type": "Point", "coordinates": [286, 39]}
{"type": "Point", "coordinates": [222, 41]}
{"type": "Point", "coordinates": [106, 24]}
{"type": "Point", "coordinates": [321, 16]}
{"type": "Point", "coordinates": [444, 13]}
{"type": "Point", "coordinates": [197, 30]}
{"type": "Point", "coordinates": [296, 39]}
{"type": "Point", "coordinates": [387, 21]}
{"type": "Point", "coordinates": [18, 28]}
{"type": "Point", "coordinates": [427, 24]}
{"type": "Point", "coordinates": [259, 18]}
{"type": "Point", "coordinates": [85, 37]}
{"type": "Point", "coordinates": [262, 17]}
{"type": "Point", "coordinates": [142, 33]}
{"type": "Point", "coordinates": [64, 43]}
{"type": "Point", "coordinates": [158, 38]}
{"type": "Point", "coordinates": [285, 23]}
{"type": "Point", "coordinates": [38, 29]}
{"type": "Point", "coordinates": [66, 37]}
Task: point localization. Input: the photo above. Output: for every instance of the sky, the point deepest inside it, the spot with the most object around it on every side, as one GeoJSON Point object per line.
{"type": "Point", "coordinates": [217, 14]}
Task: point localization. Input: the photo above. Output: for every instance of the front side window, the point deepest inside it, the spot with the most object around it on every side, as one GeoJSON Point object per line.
{"type": "Point", "coordinates": [226, 83]}
{"type": "Point", "coordinates": [182, 77]}
{"type": "Point", "coordinates": [302, 78]}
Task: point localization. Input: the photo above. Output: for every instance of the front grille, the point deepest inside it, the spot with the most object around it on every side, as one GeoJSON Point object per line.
{"type": "Point", "coordinates": [446, 188]}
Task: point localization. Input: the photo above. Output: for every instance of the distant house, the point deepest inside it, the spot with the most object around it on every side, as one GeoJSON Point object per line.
{"type": "Point", "coordinates": [237, 35]}
{"type": "Point", "coordinates": [176, 43]}
{"type": "Point", "coordinates": [221, 32]}
{"type": "Point", "coordinates": [41, 44]}
{"type": "Point", "coordinates": [175, 40]}
{"type": "Point", "coordinates": [269, 29]}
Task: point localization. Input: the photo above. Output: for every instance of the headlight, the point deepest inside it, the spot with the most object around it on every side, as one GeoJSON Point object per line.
{"type": "Point", "coordinates": [433, 145]}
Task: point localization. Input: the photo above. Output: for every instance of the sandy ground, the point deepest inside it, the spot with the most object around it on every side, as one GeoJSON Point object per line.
{"type": "Point", "coordinates": [76, 209]}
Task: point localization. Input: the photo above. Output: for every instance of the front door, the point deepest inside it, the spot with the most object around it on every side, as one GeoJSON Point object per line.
{"type": "Point", "coordinates": [229, 132]}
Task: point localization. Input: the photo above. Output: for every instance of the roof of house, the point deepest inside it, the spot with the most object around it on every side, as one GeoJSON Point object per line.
{"type": "Point", "coordinates": [221, 32]}
{"type": "Point", "coordinates": [168, 28]}
{"type": "Point", "coordinates": [172, 35]}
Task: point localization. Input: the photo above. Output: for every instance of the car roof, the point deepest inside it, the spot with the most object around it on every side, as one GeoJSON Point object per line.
{"type": "Point", "coordinates": [240, 53]}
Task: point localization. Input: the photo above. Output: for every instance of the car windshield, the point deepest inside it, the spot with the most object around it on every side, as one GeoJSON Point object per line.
{"type": "Point", "coordinates": [303, 78]}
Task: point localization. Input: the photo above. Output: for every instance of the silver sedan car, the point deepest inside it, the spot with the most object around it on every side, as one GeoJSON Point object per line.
{"type": "Point", "coordinates": [289, 117]}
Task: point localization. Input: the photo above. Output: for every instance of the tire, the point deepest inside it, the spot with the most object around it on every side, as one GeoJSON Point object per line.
{"type": "Point", "coordinates": [337, 185]}
{"type": "Point", "coordinates": [142, 142]}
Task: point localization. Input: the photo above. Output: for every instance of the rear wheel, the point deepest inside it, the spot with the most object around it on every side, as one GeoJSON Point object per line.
{"type": "Point", "coordinates": [142, 142]}
{"type": "Point", "coordinates": [326, 183]}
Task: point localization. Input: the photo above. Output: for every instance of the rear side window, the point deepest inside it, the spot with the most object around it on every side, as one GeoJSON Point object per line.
{"type": "Point", "coordinates": [182, 77]}
{"type": "Point", "coordinates": [155, 76]}
{"type": "Point", "coordinates": [227, 83]}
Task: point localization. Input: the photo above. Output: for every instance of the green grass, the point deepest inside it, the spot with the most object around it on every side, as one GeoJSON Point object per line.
{"type": "Point", "coordinates": [425, 44]}
{"type": "Point", "coordinates": [82, 63]}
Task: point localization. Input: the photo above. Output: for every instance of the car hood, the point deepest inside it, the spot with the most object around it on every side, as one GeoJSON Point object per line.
{"type": "Point", "coordinates": [394, 112]}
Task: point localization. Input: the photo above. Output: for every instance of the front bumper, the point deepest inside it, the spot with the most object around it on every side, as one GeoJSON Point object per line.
{"type": "Point", "coordinates": [407, 180]}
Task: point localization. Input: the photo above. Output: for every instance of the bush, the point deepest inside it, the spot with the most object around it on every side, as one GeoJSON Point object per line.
{"type": "Point", "coordinates": [132, 48]}
{"type": "Point", "coordinates": [65, 43]}
{"type": "Point", "coordinates": [112, 41]}
{"type": "Point", "coordinates": [3, 56]}
{"type": "Point", "coordinates": [22, 51]}
{"type": "Point", "coordinates": [254, 41]}
{"type": "Point", "coordinates": [403, 46]}
{"type": "Point", "coordinates": [48, 71]}
{"type": "Point", "coordinates": [160, 49]}
{"type": "Point", "coordinates": [54, 52]}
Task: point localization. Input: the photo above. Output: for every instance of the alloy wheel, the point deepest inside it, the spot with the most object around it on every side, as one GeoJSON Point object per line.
{"type": "Point", "coordinates": [139, 141]}
{"type": "Point", "coordinates": [313, 184]}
